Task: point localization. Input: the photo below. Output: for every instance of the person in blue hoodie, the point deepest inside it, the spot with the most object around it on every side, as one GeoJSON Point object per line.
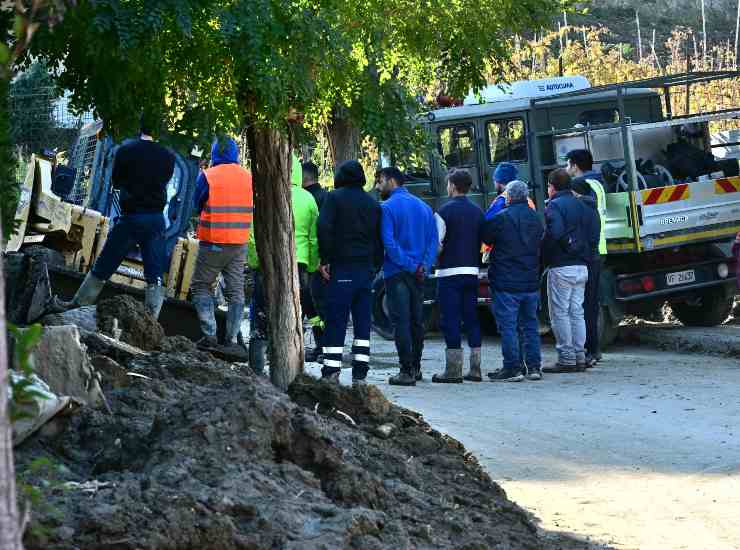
{"type": "Point", "coordinates": [505, 172]}
{"type": "Point", "coordinates": [410, 239]}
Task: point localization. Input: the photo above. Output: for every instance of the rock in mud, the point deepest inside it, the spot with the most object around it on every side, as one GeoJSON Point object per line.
{"type": "Point", "coordinates": [137, 326]}
{"type": "Point", "coordinates": [84, 317]}
{"type": "Point", "coordinates": [204, 454]}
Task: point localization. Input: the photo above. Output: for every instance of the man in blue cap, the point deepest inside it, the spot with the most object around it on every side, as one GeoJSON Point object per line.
{"type": "Point", "coordinates": [505, 173]}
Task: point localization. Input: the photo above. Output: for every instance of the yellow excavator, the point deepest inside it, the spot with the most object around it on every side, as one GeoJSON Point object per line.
{"type": "Point", "coordinates": [64, 214]}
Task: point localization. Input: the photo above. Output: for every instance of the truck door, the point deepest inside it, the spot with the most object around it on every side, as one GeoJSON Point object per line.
{"type": "Point", "coordinates": [506, 141]}
{"type": "Point", "coordinates": [457, 144]}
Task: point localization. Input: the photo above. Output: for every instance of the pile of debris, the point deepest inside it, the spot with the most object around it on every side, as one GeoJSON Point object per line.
{"type": "Point", "coordinates": [199, 453]}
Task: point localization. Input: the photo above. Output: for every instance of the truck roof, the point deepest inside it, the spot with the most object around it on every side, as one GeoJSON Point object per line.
{"type": "Point", "coordinates": [524, 104]}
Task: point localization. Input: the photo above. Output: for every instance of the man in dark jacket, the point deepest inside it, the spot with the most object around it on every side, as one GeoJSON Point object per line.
{"type": "Point", "coordinates": [514, 276]}
{"type": "Point", "coordinates": [350, 250]}
{"type": "Point", "coordinates": [141, 171]}
{"type": "Point", "coordinates": [459, 226]}
{"type": "Point", "coordinates": [316, 313]}
{"type": "Point", "coordinates": [568, 247]}
{"type": "Point", "coordinates": [410, 240]}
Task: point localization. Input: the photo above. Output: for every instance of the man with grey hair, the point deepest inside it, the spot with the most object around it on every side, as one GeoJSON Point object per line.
{"type": "Point", "coordinates": [514, 277]}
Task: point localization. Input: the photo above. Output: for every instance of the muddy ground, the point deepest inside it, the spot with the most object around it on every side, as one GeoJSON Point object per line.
{"type": "Point", "coordinates": [202, 454]}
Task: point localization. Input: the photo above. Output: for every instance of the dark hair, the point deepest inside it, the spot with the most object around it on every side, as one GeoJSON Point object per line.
{"type": "Point", "coordinates": [581, 158]}
{"type": "Point", "coordinates": [392, 173]}
{"type": "Point", "coordinates": [559, 179]}
{"type": "Point", "coordinates": [460, 179]}
{"type": "Point", "coordinates": [310, 168]}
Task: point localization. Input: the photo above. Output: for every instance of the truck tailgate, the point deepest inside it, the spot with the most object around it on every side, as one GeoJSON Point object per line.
{"type": "Point", "coordinates": [689, 212]}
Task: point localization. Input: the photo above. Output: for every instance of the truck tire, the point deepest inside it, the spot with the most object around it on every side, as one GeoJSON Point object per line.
{"type": "Point", "coordinates": [712, 308]}
{"type": "Point", "coordinates": [381, 315]}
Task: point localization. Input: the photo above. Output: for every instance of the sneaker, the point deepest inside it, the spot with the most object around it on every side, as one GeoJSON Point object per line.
{"type": "Point", "coordinates": [331, 378]}
{"type": "Point", "coordinates": [590, 361]}
{"type": "Point", "coordinates": [534, 373]}
{"type": "Point", "coordinates": [560, 367]}
{"type": "Point", "coordinates": [506, 375]}
{"type": "Point", "coordinates": [402, 379]}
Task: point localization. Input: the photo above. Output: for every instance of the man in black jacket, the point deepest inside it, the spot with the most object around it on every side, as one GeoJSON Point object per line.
{"type": "Point", "coordinates": [141, 171]}
{"type": "Point", "coordinates": [350, 250]}
{"type": "Point", "coordinates": [514, 275]}
{"type": "Point", "coordinates": [571, 235]}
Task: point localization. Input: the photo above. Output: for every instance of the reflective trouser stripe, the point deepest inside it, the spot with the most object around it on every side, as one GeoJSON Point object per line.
{"type": "Point", "coordinates": [361, 343]}
{"type": "Point", "coordinates": [361, 358]}
{"type": "Point", "coordinates": [331, 351]}
{"type": "Point", "coordinates": [332, 363]}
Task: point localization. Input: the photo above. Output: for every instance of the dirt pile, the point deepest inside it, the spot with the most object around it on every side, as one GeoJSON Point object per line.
{"type": "Point", "coordinates": [127, 314]}
{"type": "Point", "coordinates": [204, 454]}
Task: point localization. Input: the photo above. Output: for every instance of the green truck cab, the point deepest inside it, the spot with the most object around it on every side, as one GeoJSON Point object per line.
{"type": "Point", "coordinates": [672, 208]}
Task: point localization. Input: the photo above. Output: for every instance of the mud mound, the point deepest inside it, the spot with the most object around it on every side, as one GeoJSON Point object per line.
{"type": "Point", "coordinates": [137, 326]}
{"type": "Point", "coordinates": [203, 454]}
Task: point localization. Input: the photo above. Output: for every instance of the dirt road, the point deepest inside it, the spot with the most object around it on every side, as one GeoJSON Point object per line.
{"type": "Point", "coordinates": [641, 452]}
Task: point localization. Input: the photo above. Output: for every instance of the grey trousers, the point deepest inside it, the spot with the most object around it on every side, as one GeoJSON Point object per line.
{"type": "Point", "coordinates": [565, 290]}
{"type": "Point", "coordinates": [214, 259]}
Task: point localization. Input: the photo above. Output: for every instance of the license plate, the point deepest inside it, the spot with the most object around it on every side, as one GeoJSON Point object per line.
{"type": "Point", "coordinates": [680, 277]}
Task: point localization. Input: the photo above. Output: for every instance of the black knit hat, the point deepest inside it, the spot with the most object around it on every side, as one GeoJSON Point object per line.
{"type": "Point", "coordinates": [350, 172]}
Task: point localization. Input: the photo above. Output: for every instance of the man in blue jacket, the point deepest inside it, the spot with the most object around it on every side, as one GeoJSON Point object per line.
{"type": "Point", "coordinates": [459, 225]}
{"type": "Point", "coordinates": [572, 232]}
{"type": "Point", "coordinates": [514, 275]}
{"type": "Point", "coordinates": [409, 235]}
{"type": "Point", "coordinates": [505, 173]}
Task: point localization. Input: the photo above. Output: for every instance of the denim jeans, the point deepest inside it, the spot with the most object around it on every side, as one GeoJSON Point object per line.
{"type": "Point", "coordinates": [145, 230]}
{"type": "Point", "coordinates": [515, 311]}
{"type": "Point", "coordinates": [457, 297]}
{"type": "Point", "coordinates": [350, 290]}
{"type": "Point", "coordinates": [566, 287]}
{"type": "Point", "coordinates": [406, 303]}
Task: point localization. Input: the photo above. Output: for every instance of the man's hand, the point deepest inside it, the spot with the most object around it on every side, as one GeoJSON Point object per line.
{"type": "Point", "coordinates": [325, 271]}
{"type": "Point", "coordinates": [421, 273]}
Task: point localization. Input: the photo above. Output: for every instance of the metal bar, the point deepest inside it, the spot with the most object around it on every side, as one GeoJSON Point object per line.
{"type": "Point", "coordinates": [629, 159]}
{"type": "Point", "coordinates": [537, 175]}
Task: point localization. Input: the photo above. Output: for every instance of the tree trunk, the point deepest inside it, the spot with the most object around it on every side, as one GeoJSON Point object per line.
{"type": "Point", "coordinates": [275, 238]}
{"type": "Point", "coordinates": [344, 139]}
{"type": "Point", "coordinates": [10, 529]}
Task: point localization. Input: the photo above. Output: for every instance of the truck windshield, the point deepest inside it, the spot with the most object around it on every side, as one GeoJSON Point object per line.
{"type": "Point", "coordinates": [506, 141]}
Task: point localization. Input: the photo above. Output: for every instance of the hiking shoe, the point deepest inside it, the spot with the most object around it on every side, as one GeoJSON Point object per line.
{"type": "Point", "coordinates": [402, 379]}
{"type": "Point", "coordinates": [590, 361]}
{"type": "Point", "coordinates": [560, 367]}
{"type": "Point", "coordinates": [506, 375]}
{"type": "Point", "coordinates": [534, 373]}
{"type": "Point", "coordinates": [331, 378]}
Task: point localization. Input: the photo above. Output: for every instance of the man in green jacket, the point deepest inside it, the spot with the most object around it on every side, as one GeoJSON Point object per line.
{"type": "Point", "coordinates": [305, 216]}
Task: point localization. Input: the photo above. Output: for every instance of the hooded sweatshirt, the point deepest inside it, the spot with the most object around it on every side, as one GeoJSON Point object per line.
{"type": "Point", "coordinates": [226, 152]}
{"type": "Point", "coordinates": [305, 216]}
{"type": "Point", "coordinates": [349, 223]}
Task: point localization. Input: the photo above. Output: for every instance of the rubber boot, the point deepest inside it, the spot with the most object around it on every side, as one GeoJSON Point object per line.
{"type": "Point", "coordinates": [257, 349]}
{"type": "Point", "coordinates": [206, 315]}
{"type": "Point", "coordinates": [233, 323]}
{"type": "Point", "coordinates": [312, 354]}
{"type": "Point", "coordinates": [88, 292]}
{"type": "Point", "coordinates": [474, 374]}
{"type": "Point", "coordinates": [405, 377]}
{"type": "Point", "coordinates": [154, 298]}
{"type": "Point", "coordinates": [453, 368]}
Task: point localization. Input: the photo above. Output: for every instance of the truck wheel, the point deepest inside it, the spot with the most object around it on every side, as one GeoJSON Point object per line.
{"type": "Point", "coordinates": [711, 308]}
{"type": "Point", "coordinates": [607, 328]}
{"type": "Point", "coordinates": [381, 316]}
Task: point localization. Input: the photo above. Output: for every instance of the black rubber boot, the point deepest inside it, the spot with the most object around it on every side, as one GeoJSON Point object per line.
{"type": "Point", "coordinates": [257, 349]}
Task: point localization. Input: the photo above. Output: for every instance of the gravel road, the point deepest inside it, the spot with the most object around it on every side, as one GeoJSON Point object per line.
{"type": "Point", "coordinates": [641, 452]}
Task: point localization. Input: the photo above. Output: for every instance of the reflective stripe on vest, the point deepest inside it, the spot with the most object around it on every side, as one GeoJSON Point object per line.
{"type": "Point", "coordinates": [598, 190]}
{"type": "Point", "coordinates": [227, 215]}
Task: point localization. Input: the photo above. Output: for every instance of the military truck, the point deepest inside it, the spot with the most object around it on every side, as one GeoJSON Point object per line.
{"type": "Point", "coordinates": [672, 208]}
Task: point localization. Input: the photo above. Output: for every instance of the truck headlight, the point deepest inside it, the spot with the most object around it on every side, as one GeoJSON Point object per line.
{"type": "Point", "coordinates": [723, 271]}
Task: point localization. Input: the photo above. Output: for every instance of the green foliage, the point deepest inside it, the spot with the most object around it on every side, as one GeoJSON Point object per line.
{"type": "Point", "coordinates": [32, 98]}
{"type": "Point", "coordinates": [9, 191]}
{"type": "Point", "coordinates": [24, 342]}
